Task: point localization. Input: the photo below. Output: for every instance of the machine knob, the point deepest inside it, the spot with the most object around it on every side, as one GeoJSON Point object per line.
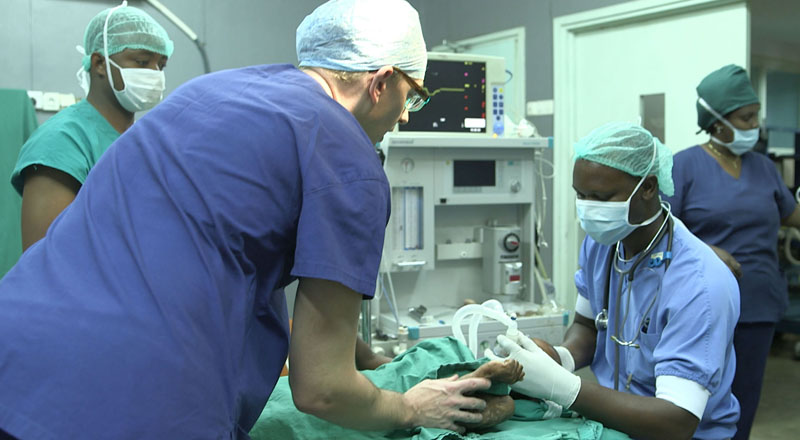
{"type": "Point", "coordinates": [407, 164]}
{"type": "Point", "coordinates": [511, 242]}
{"type": "Point", "coordinates": [515, 186]}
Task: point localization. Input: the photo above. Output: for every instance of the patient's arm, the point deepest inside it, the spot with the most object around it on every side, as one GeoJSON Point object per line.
{"type": "Point", "coordinates": [366, 359]}
{"type": "Point", "coordinates": [498, 408]}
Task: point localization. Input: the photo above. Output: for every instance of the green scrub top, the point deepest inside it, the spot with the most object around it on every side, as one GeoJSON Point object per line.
{"type": "Point", "coordinates": [71, 141]}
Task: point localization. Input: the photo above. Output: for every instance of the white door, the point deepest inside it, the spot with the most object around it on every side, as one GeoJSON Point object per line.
{"type": "Point", "coordinates": [509, 44]}
{"type": "Point", "coordinates": [610, 63]}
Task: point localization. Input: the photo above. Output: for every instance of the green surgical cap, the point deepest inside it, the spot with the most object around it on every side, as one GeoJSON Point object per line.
{"type": "Point", "coordinates": [629, 148]}
{"type": "Point", "coordinates": [725, 90]}
{"type": "Point", "coordinates": [128, 28]}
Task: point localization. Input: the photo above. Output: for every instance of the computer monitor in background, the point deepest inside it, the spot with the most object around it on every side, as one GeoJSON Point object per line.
{"type": "Point", "coordinates": [467, 97]}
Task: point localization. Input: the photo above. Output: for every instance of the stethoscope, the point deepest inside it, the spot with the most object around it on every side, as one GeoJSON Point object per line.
{"type": "Point", "coordinates": [601, 320]}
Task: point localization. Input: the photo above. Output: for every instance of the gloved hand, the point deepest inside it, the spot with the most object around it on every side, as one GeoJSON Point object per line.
{"type": "Point", "coordinates": [544, 377]}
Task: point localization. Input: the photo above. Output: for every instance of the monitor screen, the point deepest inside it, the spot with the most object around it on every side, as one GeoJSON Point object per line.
{"type": "Point", "coordinates": [458, 98]}
{"type": "Point", "coordinates": [473, 173]}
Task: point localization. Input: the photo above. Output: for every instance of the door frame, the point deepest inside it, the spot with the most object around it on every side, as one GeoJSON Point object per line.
{"type": "Point", "coordinates": [565, 31]}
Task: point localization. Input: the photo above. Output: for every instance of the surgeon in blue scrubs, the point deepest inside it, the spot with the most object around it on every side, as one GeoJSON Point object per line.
{"type": "Point", "coordinates": [656, 308]}
{"type": "Point", "coordinates": [154, 307]}
{"type": "Point", "coordinates": [734, 200]}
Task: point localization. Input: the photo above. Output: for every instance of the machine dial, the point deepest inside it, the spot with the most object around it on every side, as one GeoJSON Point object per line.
{"type": "Point", "coordinates": [515, 186]}
{"type": "Point", "coordinates": [407, 164]}
{"type": "Point", "coordinates": [511, 242]}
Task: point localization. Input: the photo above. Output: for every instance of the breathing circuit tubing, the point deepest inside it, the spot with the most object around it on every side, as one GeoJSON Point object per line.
{"type": "Point", "coordinates": [489, 309]}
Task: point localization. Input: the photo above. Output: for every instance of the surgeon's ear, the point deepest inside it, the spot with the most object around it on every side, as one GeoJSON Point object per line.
{"type": "Point", "coordinates": [98, 67]}
{"type": "Point", "coordinates": [650, 188]}
{"type": "Point", "coordinates": [379, 83]}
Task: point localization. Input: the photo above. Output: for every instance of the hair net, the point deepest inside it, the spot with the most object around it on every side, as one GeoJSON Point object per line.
{"type": "Point", "coordinates": [629, 148]}
{"type": "Point", "coordinates": [363, 35]}
{"type": "Point", "coordinates": [128, 28]}
{"type": "Point", "coordinates": [725, 90]}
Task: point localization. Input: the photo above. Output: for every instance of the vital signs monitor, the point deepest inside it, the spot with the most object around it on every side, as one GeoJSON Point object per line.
{"type": "Point", "coordinates": [467, 97]}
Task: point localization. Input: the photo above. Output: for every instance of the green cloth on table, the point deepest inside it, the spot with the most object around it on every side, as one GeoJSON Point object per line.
{"type": "Point", "coordinates": [430, 359]}
{"type": "Point", "coordinates": [17, 122]}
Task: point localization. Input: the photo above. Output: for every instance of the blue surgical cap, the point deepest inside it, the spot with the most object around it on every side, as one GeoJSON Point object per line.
{"type": "Point", "coordinates": [363, 35]}
{"type": "Point", "coordinates": [629, 148]}
{"type": "Point", "coordinates": [128, 28]}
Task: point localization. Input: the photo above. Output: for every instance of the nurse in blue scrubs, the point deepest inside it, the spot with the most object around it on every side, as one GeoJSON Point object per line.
{"type": "Point", "coordinates": [734, 200]}
{"type": "Point", "coordinates": [122, 72]}
{"type": "Point", "coordinates": [656, 308]}
{"type": "Point", "coordinates": [154, 306]}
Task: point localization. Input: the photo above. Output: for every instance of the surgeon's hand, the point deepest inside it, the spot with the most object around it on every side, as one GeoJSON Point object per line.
{"type": "Point", "coordinates": [442, 403]}
{"type": "Point", "coordinates": [544, 377]}
{"type": "Point", "coordinates": [729, 261]}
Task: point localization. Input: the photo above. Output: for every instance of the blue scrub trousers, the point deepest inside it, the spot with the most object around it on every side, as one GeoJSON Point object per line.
{"type": "Point", "coordinates": [752, 341]}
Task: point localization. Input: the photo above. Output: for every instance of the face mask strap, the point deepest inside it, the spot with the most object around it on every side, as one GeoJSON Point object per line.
{"type": "Point", "coordinates": [105, 43]}
{"type": "Point", "coordinates": [646, 172]}
{"type": "Point", "coordinates": [714, 113]}
{"type": "Point", "coordinates": [639, 185]}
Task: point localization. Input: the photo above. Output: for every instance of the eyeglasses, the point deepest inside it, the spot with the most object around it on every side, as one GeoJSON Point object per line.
{"type": "Point", "coordinates": [420, 96]}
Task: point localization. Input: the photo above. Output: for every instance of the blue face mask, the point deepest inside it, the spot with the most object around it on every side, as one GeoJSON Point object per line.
{"type": "Point", "coordinates": [743, 140]}
{"type": "Point", "coordinates": [607, 222]}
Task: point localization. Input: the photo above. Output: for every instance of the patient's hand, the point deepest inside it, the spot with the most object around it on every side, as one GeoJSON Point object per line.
{"type": "Point", "coordinates": [498, 408]}
{"type": "Point", "coordinates": [508, 371]}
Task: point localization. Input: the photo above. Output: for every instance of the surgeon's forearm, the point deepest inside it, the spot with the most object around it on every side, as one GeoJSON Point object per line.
{"type": "Point", "coordinates": [638, 416]}
{"type": "Point", "coordinates": [352, 401]}
{"type": "Point", "coordinates": [580, 340]}
{"type": "Point", "coordinates": [322, 374]}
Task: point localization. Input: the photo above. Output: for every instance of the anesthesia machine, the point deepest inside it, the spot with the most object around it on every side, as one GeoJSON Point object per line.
{"type": "Point", "coordinates": [463, 223]}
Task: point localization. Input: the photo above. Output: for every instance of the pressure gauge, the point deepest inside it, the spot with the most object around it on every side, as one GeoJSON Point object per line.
{"type": "Point", "coordinates": [511, 242]}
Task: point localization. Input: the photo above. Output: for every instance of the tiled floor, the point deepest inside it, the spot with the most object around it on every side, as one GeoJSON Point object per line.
{"type": "Point", "coordinates": [778, 416]}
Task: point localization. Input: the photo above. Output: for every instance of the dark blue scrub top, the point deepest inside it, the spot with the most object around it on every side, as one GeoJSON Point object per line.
{"type": "Point", "coordinates": [741, 216]}
{"type": "Point", "coordinates": [154, 307]}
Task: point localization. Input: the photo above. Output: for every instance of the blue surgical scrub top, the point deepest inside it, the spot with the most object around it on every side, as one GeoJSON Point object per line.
{"type": "Point", "coordinates": [741, 216]}
{"type": "Point", "coordinates": [688, 332]}
{"type": "Point", "coordinates": [154, 307]}
{"type": "Point", "coordinates": [71, 141]}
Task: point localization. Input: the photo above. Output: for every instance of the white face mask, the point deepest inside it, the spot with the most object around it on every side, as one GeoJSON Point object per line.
{"type": "Point", "coordinates": [743, 140]}
{"type": "Point", "coordinates": [607, 222]}
{"type": "Point", "coordinates": [144, 88]}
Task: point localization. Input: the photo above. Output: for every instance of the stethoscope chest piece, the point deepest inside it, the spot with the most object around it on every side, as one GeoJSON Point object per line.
{"type": "Point", "coordinates": [601, 320]}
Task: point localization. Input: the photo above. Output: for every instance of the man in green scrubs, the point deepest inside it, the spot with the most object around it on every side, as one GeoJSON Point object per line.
{"type": "Point", "coordinates": [122, 44]}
